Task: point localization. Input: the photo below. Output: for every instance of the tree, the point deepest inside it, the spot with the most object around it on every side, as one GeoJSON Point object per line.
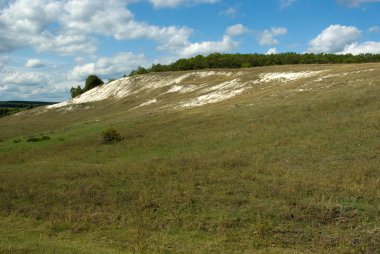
{"type": "Point", "coordinates": [76, 91]}
{"type": "Point", "coordinates": [91, 82]}
{"type": "Point", "coordinates": [140, 70]}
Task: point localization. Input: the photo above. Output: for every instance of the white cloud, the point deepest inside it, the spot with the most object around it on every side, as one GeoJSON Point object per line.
{"type": "Point", "coordinates": [268, 37]}
{"type": "Point", "coordinates": [65, 44]}
{"type": "Point", "coordinates": [76, 22]}
{"type": "Point", "coordinates": [342, 40]}
{"type": "Point", "coordinates": [30, 16]}
{"type": "Point", "coordinates": [21, 20]}
{"type": "Point", "coordinates": [374, 29]}
{"type": "Point", "coordinates": [207, 47]}
{"type": "Point", "coordinates": [236, 30]}
{"type": "Point", "coordinates": [35, 85]}
{"type": "Point", "coordinates": [175, 3]}
{"type": "Point", "coordinates": [356, 3]}
{"type": "Point", "coordinates": [286, 3]}
{"type": "Point", "coordinates": [34, 63]}
{"type": "Point", "coordinates": [334, 39]}
{"type": "Point", "coordinates": [272, 51]}
{"type": "Point", "coordinates": [363, 48]}
{"type": "Point", "coordinates": [107, 67]}
{"type": "Point", "coordinates": [230, 12]}
{"type": "Point", "coordinates": [26, 79]}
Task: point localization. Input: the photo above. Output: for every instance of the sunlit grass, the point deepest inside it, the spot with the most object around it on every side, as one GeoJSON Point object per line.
{"type": "Point", "coordinates": [287, 173]}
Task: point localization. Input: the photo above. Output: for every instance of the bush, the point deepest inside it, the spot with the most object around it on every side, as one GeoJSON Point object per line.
{"type": "Point", "coordinates": [33, 139]}
{"type": "Point", "coordinates": [91, 82]}
{"type": "Point", "coordinates": [17, 141]}
{"type": "Point", "coordinates": [36, 139]}
{"type": "Point", "coordinates": [45, 138]}
{"type": "Point", "coordinates": [76, 91]}
{"type": "Point", "coordinates": [111, 136]}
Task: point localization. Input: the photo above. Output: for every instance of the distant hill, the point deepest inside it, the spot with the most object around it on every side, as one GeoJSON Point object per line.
{"type": "Point", "coordinates": [11, 107]}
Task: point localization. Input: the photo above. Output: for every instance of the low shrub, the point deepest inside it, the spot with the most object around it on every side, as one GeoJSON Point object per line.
{"type": "Point", "coordinates": [111, 136]}
{"type": "Point", "coordinates": [17, 141]}
{"type": "Point", "coordinates": [45, 138]}
{"type": "Point", "coordinates": [33, 139]}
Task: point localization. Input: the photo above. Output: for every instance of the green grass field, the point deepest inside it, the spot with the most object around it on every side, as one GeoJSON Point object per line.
{"type": "Point", "coordinates": [269, 171]}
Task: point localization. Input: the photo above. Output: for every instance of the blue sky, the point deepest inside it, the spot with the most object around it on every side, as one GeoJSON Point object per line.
{"type": "Point", "coordinates": [48, 46]}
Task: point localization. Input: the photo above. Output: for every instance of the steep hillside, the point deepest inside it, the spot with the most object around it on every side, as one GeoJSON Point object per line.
{"type": "Point", "coordinates": [281, 159]}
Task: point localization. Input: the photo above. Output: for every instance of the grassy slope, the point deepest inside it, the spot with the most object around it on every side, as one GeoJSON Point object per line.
{"type": "Point", "coordinates": [266, 172]}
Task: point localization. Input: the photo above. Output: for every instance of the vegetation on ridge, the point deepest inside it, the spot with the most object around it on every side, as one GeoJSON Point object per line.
{"type": "Point", "coordinates": [12, 107]}
{"type": "Point", "coordinates": [217, 61]}
{"type": "Point", "coordinates": [92, 81]}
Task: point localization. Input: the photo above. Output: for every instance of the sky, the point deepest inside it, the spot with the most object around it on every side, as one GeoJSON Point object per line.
{"type": "Point", "coordinates": [48, 46]}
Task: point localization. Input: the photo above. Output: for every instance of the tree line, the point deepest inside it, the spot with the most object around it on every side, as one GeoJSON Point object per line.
{"type": "Point", "coordinates": [220, 61]}
{"type": "Point", "coordinates": [12, 107]}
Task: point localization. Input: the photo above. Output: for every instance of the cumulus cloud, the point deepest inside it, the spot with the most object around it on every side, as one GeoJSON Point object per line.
{"type": "Point", "coordinates": [236, 30]}
{"type": "Point", "coordinates": [339, 39]}
{"type": "Point", "coordinates": [272, 51]}
{"type": "Point", "coordinates": [334, 39]}
{"type": "Point", "coordinates": [76, 22]}
{"type": "Point", "coordinates": [26, 78]}
{"type": "Point", "coordinates": [109, 67]}
{"type": "Point", "coordinates": [175, 3]}
{"type": "Point", "coordinates": [34, 85]}
{"type": "Point", "coordinates": [268, 36]}
{"type": "Point", "coordinates": [363, 48]}
{"type": "Point", "coordinates": [34, 63]}
{"type": "Point", "coordinates": [207, 47]}
{"type": "Point", "coordinates": [356, 3]}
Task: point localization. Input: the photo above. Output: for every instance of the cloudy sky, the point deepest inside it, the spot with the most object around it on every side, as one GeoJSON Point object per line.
{"type": "Point", "coordinates": [47, 46]}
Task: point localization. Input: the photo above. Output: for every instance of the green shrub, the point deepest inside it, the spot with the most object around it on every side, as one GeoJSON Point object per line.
{"type": "Point", "coordinates": [110, 136]}
{"type": "Point", "coordinates": [45, 138]}
{"type": "Point", "coordinates": [91, 82]}
{"type": "Point", "coordinates": [17, 141]}
{"type": "Point", "coordinates": [33, 139]}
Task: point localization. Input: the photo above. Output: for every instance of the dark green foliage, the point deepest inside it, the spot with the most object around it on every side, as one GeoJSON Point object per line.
{"type": "Point", "coordinates": [111, 136]}
{"type": "Point", "coordinates": [76, 91]}
{"type": "Point", "coordinates": [17, 141]}
{"type": "Point", "coordinates": [7, 111]}
{"type": "Point", "coordinates": [37, 139]}
{"type": "Point", "coordinates": [23, 104]}
{"type": "Point", "coordinates": [140, 70]}
{"type": "Point", "coordinates": [91, 82]}
{"type": "Point", "coordinates": [12, 107]}
{"type": "Point", "coordinates": [45, 138]}
{"type": "Point", "coordinates": [33, 139]}
{"type": "Point", "coordinates": [217, 61]}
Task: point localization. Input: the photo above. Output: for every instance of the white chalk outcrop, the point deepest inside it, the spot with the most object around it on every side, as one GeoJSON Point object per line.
{"type": "Point", "coordinates": [201, 87]}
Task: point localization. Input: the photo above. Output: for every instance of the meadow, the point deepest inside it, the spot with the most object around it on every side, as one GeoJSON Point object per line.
{"type": "Point", "coordinates": [268, 171]}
